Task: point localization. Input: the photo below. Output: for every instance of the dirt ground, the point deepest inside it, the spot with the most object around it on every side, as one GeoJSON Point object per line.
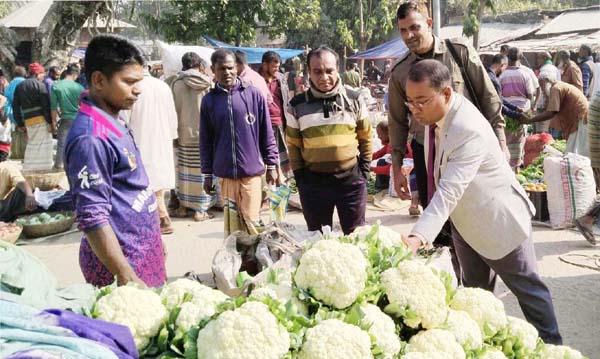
{"type": "Point", "coordinates": [575, 290]}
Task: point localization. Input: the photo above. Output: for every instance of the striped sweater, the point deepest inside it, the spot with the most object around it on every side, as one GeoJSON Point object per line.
{"type": "Point", "coordinates": [329, 135]}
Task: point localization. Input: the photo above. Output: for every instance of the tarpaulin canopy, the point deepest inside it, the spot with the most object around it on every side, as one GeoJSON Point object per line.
{"type": "Point", "coordinates": [392, 49]}
{"type": "Point", "coordinates": [254, 54]}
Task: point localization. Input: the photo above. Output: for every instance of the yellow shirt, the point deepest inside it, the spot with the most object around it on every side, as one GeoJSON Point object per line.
{"type": "Point", "coordinates": [9, 177]}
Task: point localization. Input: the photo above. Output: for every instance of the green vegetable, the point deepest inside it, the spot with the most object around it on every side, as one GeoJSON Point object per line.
{"type": "Point", "coordinates": [512, 125]}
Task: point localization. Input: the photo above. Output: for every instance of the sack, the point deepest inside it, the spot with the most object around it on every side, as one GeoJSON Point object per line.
{"type": "Point", "coordinates": [279, 246]}
{"type": "Point", "coordinates": [571, 188]}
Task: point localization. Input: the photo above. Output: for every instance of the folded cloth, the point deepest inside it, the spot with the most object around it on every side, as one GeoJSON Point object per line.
{"type": "Point", "coordinates": [114, 336]}
{"type": "Point", "coordinates": [26, 280]}
{"type": "Point", "coordinates": [27, 333]}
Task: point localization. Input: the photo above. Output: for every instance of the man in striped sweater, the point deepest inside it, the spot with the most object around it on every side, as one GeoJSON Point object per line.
{"type": "Point", "coordinates": [329, 142]}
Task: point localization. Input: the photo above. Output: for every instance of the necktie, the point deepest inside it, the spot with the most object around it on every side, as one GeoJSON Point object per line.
{"type": "Point", "coordinates": [431, 164]}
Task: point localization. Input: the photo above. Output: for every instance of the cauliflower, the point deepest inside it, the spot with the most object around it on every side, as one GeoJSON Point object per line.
{"type": "Point", "coordinates": [334, 339]}
{"type": "Point", "coordinates": [249, 332]}
{"type": "Point", "coordinates": [465, 330]}
{"type": "Point", "coordinates": [203, 305]}
{"type": "Point", "coordinates": [436, 340]}
{"type": "Point", "coordinates": [524, 333]}
{"type": "Point", "coordinates": [282, 291]}
{"type": "Point", "coordinates": [141, 310]}
{"type": "Point", "coordinates": [383, 329]}
{"type": "Point", "coordinates": [173, 293]}
{"type": "Point", "coordinates": [427, 355]}
{"type": "Point", "coordinates": [414, 286]}
{"type": "Point", "coordinates": [387, 236]}
{"type": "Point", "coordinates": [483, 307]}
{"type": "Point", "coordinates": [333, 272]}
{"type": "Point", "coordinates": [492, 353]}
{"type": "Point", "coordinates": [550, 351]}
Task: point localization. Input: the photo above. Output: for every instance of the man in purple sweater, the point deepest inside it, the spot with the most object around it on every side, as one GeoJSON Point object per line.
{"type": "Point", "coordinates": [236, 144]}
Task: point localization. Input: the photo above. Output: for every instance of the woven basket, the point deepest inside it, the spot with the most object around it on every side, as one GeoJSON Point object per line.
{"type": "Point", "coordinates": [45, 181]}
{"type": "Point", "coordinates": [47, 229]}
{"type": "Point", "coordinates": [12, 238]}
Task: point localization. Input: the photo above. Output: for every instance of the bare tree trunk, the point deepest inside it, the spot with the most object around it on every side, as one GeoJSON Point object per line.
{"type": "Point", "coordinates": [59, 31]}
{"type": "Point", "coordinates": [480, 11]}
{"type": "Point", "coordinates": [8, 52]}
{"type": "Point", "coordinates": [361, 36]}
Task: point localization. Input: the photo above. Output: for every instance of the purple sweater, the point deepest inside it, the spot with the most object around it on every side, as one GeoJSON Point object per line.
{"type": "Point", "coordinates": [236, 138]}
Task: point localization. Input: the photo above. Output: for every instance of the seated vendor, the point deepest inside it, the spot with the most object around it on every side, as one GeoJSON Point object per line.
{"type": "Point", "coordinates": [382, 170]}
{"type": "Point", "coordinates": [16, 196]}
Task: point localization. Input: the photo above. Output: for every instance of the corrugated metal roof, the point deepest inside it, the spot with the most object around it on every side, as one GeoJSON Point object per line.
{"type": "Point", "coordinates": [32, 14]}
{"type": "Point", "coordinates": [492, 32]}
{"type": "Point", "coordinates": [570, 41]}
{"type": "Point", "coordinates": [573, 21]}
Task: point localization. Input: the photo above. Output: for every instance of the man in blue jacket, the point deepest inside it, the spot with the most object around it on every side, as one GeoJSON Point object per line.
{"type": "Point", "coordinates": [236, 144]}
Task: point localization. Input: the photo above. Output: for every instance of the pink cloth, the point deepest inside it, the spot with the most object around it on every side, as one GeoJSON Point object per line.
{"type": "Point", "coordinates": [253, 78]}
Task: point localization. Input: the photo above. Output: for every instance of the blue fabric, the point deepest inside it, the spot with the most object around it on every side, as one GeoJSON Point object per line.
{"type": "Point", "coordinates": [9, 92]}
{"type": "Point", "coordinates": [393, 49]}
{"type": "Point", "coordinates": [22, 331]}
{"type": "Point", "coordinates": [114, 336]}
{"type": "Point", "coordinates": [254, 54]}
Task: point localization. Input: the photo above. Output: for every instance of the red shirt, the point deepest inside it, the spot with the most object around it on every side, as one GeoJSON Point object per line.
{"type": "Point", "coordinates": [275, 107]}
{"type": "Point", "coordinates": [5, 147]}
{"type": "Point", "coordinates": [385, 169]}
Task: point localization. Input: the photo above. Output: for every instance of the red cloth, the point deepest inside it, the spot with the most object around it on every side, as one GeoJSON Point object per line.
{"type": "Point", "coordinates": [35, 68]}
{"type": "Point", "coordinates": [385, 169]}
{"type": "Point", "coordinates": [5, 147]}
{"type": "Point", "coordinates": [276, 107]}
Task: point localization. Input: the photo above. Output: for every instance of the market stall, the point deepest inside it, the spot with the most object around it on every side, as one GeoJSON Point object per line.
{"type": "Point", "coordinates": [306, 295]}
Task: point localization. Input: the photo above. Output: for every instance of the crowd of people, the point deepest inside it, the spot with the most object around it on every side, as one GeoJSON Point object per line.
{"type": "Point", "coordinates": [215, 134]}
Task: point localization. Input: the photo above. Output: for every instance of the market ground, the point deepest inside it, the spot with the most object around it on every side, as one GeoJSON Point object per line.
{"type": "Point", "coordinates": [575, 290]}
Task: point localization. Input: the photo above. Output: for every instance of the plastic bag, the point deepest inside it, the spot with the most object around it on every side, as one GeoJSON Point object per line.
{"type": "Point", "coordinates": [278, 202]}
{"type": "Point", "coordinates": [45, 199]}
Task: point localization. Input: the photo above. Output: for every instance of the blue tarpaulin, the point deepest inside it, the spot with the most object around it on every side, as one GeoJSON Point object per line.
{"type": "Point", "coordinates": [254, 54]}
{"type": "Point", "coordinates": [392, 49]}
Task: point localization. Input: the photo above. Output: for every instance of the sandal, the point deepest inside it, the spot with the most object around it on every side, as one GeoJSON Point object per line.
{"type": "Point", "coordinates": [180, 212]}
{"type": "Point", "coordinates": [165, 226]}
{"type": "Point", "coordinates": [588, 234]}
{"type": "Point", "coordinates": [202, 216]}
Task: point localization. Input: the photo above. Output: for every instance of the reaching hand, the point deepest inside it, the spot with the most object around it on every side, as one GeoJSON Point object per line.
{"type": "Point", "coordinates": [30, 203]}
{"type": "Point", "coordinates": [401, 186]}
{"type": "Point", "coordinates": [272, 176]}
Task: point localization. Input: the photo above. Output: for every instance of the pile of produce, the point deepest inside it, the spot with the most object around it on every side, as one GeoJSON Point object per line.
{"type": "Point", "coordinates": [42, 218]}
{"type": "Point", "coordinates": [534, 173]}
{"type": "Point", "coordinates": [8, 229]}
{"type": "Point", "coordinates": [362, 296]}
{"type": "Point", "coordinates": [371, 188]}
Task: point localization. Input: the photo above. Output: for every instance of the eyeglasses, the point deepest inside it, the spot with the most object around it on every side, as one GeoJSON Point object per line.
{"type": "Point", "coordinates": [419, 105]}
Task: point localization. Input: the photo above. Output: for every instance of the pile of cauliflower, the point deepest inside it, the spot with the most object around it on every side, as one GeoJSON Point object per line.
{"type": "Point", "coordinates": [362, 296]}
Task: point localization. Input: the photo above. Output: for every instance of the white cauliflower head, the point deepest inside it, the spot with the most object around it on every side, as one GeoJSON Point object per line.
{"type": "Point", "coordinates": [465, 330]}
{"type": "Point", "coordinates": [141, 310]}
{"type": "Point", "coordinates": [427, 355]}
{"type": "Point", "coordinates": [550, 351]}
{"type": "Point", "coordinates": [173, 293]}
{"type": "Point", "coordinates": [334, 273]}
{"type": "Point", "coordinates": [282, 292]}
{"type": "Point", "coordinates": [413, 285]}
{"type": "Point", "coordinates": [202, 306]}
{"type": "Point", "coordinates": [436, 340]}
{"type": "Point", "coordinates": [483, 307]}
{"type": "Point", "coordinates": [248, 332]}
{"type": "Point", "coordinates": [334, 339]}
{"type": "Point", "coordinates": [524, 332]}
{"type": "Point", "coordinates": [383, 329]}
{"type": "Point", "coordinates": [387, 236]}
{"type": "Point", "coordinates": [492, 353]}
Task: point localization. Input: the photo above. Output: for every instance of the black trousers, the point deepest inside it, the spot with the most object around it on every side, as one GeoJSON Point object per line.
{"type": "Point", "coordinates": [12, 206]}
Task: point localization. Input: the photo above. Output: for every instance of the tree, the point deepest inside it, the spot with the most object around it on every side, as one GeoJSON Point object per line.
{"type": "Point", "coordinates": [339, 25]}
{"type": "Point", "coordinates": [232, 21]}
{"type": "Point", "coordinates": [59, 31]}
{"type": "Point", "coordinates": [472, 22]}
